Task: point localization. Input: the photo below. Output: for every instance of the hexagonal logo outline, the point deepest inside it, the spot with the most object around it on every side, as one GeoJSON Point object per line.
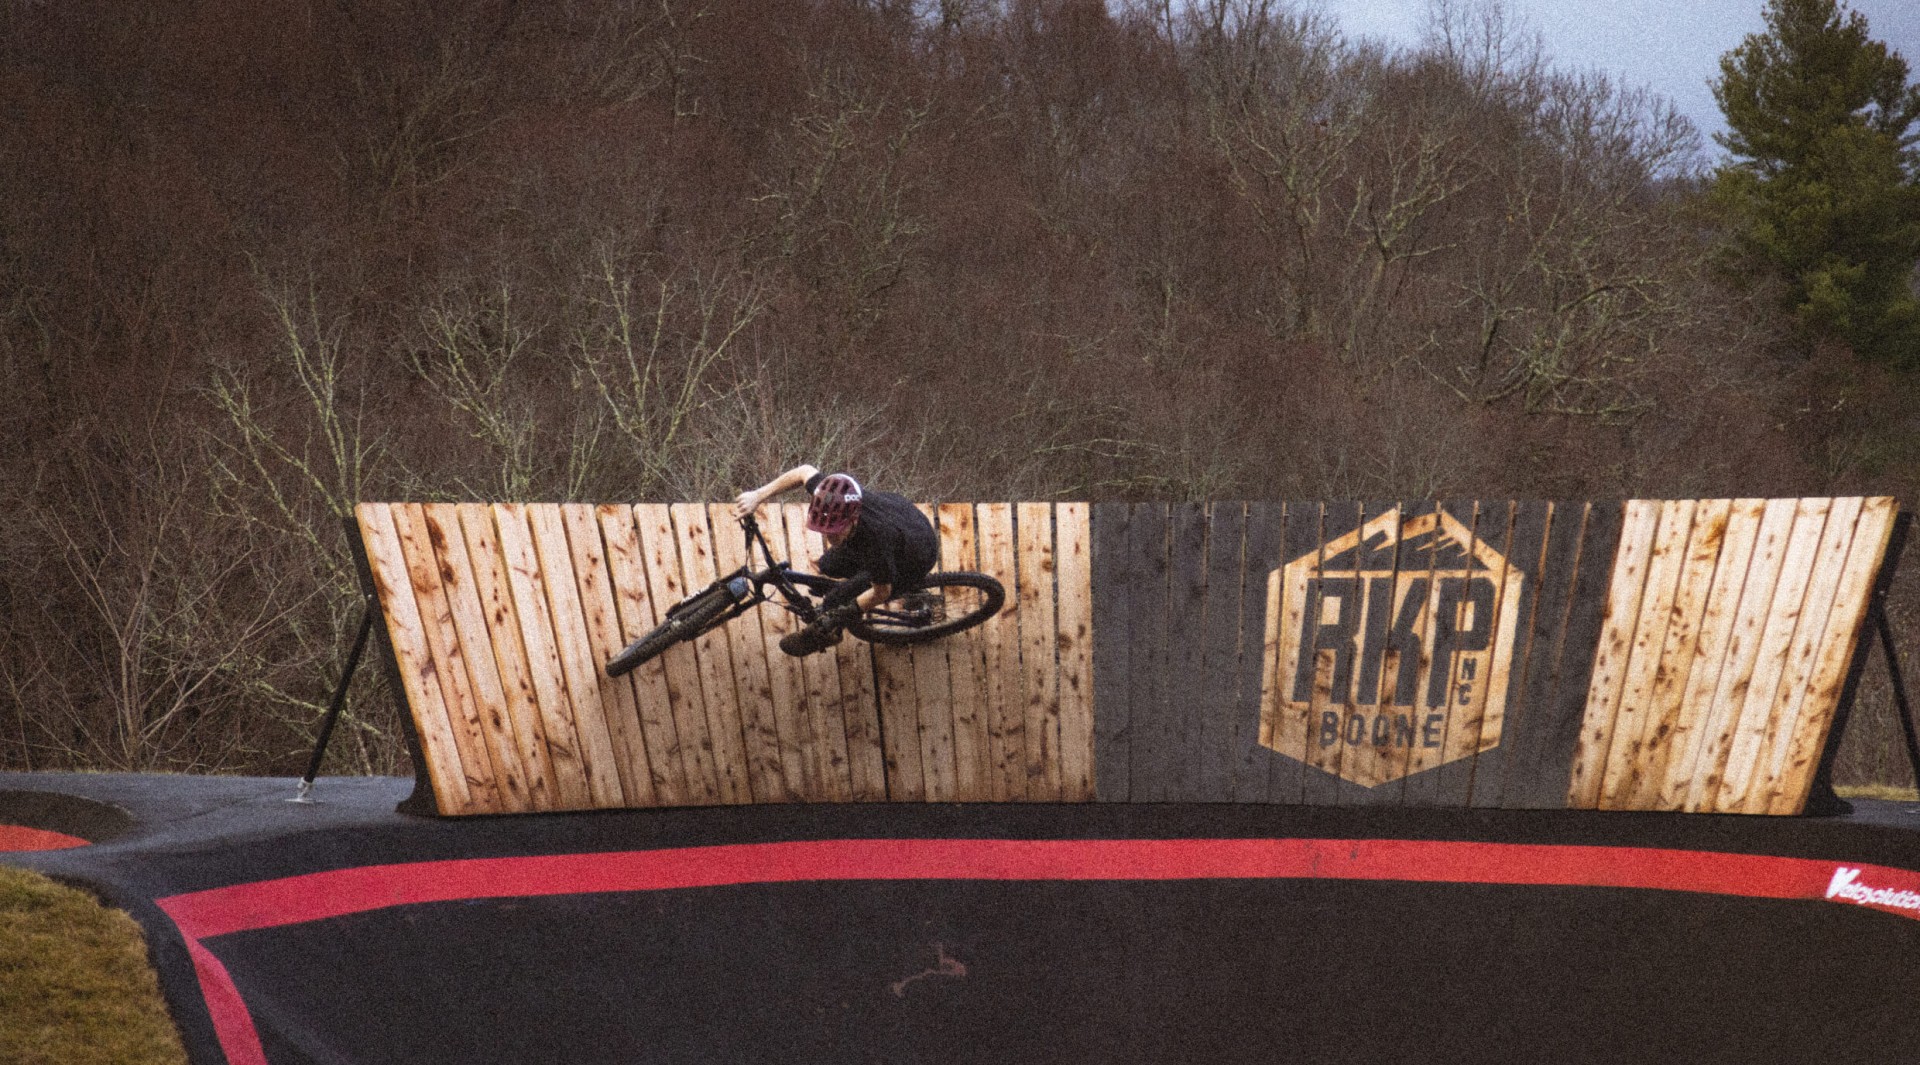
{"type": "Point", "coordinates": [1371, 613]}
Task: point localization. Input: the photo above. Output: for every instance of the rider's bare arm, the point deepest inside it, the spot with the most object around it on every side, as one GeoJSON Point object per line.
{"type": "Point", "coordinates": [748, 502]}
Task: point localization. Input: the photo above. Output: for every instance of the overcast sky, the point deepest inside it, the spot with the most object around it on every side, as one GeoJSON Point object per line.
{"type": "Point", "coordinates": [1670, 46]}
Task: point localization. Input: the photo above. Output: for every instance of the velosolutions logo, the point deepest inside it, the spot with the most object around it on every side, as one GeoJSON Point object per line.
{"type": "Point", "coordinates": [1846, 886]}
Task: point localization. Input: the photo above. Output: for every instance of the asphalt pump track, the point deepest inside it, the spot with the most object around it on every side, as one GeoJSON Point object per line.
{"type": "Point", "coordinates": [342, 931]}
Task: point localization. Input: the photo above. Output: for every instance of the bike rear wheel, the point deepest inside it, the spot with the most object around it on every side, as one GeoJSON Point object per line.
{"type": "Point", "coordinates": [947, 603]}
{"type": "Point", "coordinates": [684, 622]}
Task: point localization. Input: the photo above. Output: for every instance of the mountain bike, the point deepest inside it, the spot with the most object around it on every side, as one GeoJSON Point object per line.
{"type": "Point", "coordinates": [943, 603]}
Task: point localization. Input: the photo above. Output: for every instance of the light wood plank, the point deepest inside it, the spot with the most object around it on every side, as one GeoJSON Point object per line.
{"type": "Point", "coordinates": [419, 674]}
{"type": "Point", "coordinates": [1039, 639]}
{"type": "Point", "coordinates": [443, 642]}
{"type": "Point", "coordinates": [1828, 563]}
{"type": "Point", "coordinates": [751, 671]}
{"type": "Point", "coordinates": [578, 662]}
{"type": "Point", "coordinates": [1845, 621]}
{"type": "Point", "coordinates": [786, 681]}
{"type": "Point", "coordinates": [1670, 734]}
{"type": "Point", "coordinates": [1702, 723]}
{"type": "Point", "coordinates": [1783, 614]}
{"type": "Point", "coordinates": [1743, 652]}
{"type": "Point", "coordinates": [468, 618]}
{"type": "Point", "coordinates": [1614, 653]}
{"type": "Point", "coordinates": [572, 789]}
{"type": "Point", "coordinates": [1074, 529]}
{"type": "Point", "coordinates": [933, 692]}
{"type": "Point", "coordinates": [1628, 743]}
{"type": "Point", "coordinates": [1000, 645]}
{"type": "Point", "coordinates": [1421, 757]}
{"type": "Point", "coordinates": [714, 652]}
{"type": "Point", "coordinates": [966, 661]}
{"type": "Point", "coordinates": [667, 586]}
{"type": "Point", "coordinates": [509, 654]}
{"type": "Point", "coordinates": [635, 612]}
{"type": "Point", "coordinates": [827, 707]}
{"type": "Point", "coordinates": [619, 701]}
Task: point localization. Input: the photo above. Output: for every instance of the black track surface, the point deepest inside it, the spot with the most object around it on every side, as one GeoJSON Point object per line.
{"type": "Point", "coordinates": [1024, 971]}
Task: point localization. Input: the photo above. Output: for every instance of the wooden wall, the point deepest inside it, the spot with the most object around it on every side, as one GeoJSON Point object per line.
{"type": "Point", "coordinates": [1677, 655]}
{"type": "Point", "coordinates": [500, 619]}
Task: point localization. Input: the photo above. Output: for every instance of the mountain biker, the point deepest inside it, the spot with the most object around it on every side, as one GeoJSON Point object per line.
{"type": "Point", "coordinates": [878, 545]}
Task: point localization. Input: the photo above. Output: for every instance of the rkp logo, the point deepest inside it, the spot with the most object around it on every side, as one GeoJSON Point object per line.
{"type": "Point", "coordinates": [1388, 649]}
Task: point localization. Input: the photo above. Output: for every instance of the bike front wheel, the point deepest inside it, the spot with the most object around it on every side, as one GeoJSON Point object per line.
{"type": "Point", "coordinates": [683, 623]}
{"type": "Point", "coordinates": [946, 603]}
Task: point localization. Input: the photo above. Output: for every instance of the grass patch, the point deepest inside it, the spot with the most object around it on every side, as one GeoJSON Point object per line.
{"type": "Point", "coordinates": [75, 984]}
{"type": "Point", "coordinates": [1878, 791]}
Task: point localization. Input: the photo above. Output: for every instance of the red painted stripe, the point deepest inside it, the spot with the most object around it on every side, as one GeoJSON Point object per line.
{"type": "Point", "coordinates": [316, 896]}
{"type": "Point", "coordinates": [21, 838]}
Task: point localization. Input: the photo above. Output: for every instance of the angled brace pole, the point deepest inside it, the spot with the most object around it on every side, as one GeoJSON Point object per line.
{"type": "Point", "coordinates": [339, 702]}
{"type": "Point", "coordinates": [1900, 696]}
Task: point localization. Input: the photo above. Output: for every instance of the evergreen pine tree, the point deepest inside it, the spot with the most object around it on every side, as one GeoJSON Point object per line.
{"type": "Point", "coordinates": [1825, 186]}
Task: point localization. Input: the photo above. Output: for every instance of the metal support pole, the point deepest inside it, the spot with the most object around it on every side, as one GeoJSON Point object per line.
{"type": "Point", "coordinates": [1900, 697]}
{"type": "Point", "coordinates": [339, 702]}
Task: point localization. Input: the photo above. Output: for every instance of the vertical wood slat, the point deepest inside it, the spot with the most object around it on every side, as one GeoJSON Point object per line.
{"type": "Point", "coordinates": [618, 704]}
{"type": "Point", "coordinates": [467, 618]}
{"type": "Point", "coordinates": [1619, 752]}
{"type": "Point", "coordinates": [1039, 646]}
{"type": "Point", "coordinates": [1151, 744]}
{"type": "Point", "coordinates": [443, 644]}
{"type": "Point", "coordinates": [1217, 706]}
{"type": "Point", "coordinates": [1074, 580]}
{"type": "Point", "coordinates": [1253, 764]}
{"type": "Point", "coordinates": [1665, 566]}
{"type": "Point", "coordinates": [1186, 646]}
{"type": "Point", "coordinates": [1700, 717]}
{"type": "Point", "coordinates": [1743, 649]}
{"type": "Point", "coordinates": [1527, 552]}
{"type": "Point", "coordinates": [714, 653]}
{"type": "Point", "coordinates": [1796, 681]}
{"type": "Point", "coordinates": [833, 716]}
{"type": "Point", "coordinates": [752, 670]}
{"type": "Point", "coordinates": [933, 698]}
{"type": "Point", "coordinates": [1847, 617]}
{"type": "Point", "coordinates": [509, 654]}
{"type": "Point", "coordinates": [666, 585]}
{"type": "Point", "coordinates": [1000, 645]}
{"type": "Point", "coordinates": [1614, 653]}
{"type": "Point", "coordinates": [1281, 726]}
{"type": "Point", "coordinates": [1111, 578]}
{"type": "Point", "coordinates": [580, 667]}
{"type": "Point", "coordinates": [419, 674]}
{"type": "Point", "coordinates": [1666, 735]}
{"type": "Point", "coordinates": [1558, 738]}
{"type": "Point", "coordinates": [1477, 698]}
{"type": "Point", "coordinates": [1379, 765]}
{"type": "Point", "coordinates": [636, 615]}
{"type": "Point", "coordinates": [1782, 613]}
{"type": "Point", "coordinates": [966, 663]}
{"type": "Point", "coordinates": [523, 575]}
{"type": "Point", "coordinates": [1424, 561]}
{"type": "Point", "coordinates": [786, 680]}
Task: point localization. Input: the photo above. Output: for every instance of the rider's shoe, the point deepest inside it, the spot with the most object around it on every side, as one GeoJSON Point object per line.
{"type": "Point", "coordinates": [819, 634]}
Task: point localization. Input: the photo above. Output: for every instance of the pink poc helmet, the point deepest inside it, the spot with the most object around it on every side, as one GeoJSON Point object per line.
{"type": "Point", "coordinates": [835, 506]}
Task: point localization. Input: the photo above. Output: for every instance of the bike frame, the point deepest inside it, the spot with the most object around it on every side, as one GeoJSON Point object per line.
{"type": "Point", "coordinates": [748, 587]}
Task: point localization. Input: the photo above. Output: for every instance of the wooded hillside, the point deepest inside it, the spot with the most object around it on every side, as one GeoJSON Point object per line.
{"type": "Point", "coordinates": [261, 261]}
